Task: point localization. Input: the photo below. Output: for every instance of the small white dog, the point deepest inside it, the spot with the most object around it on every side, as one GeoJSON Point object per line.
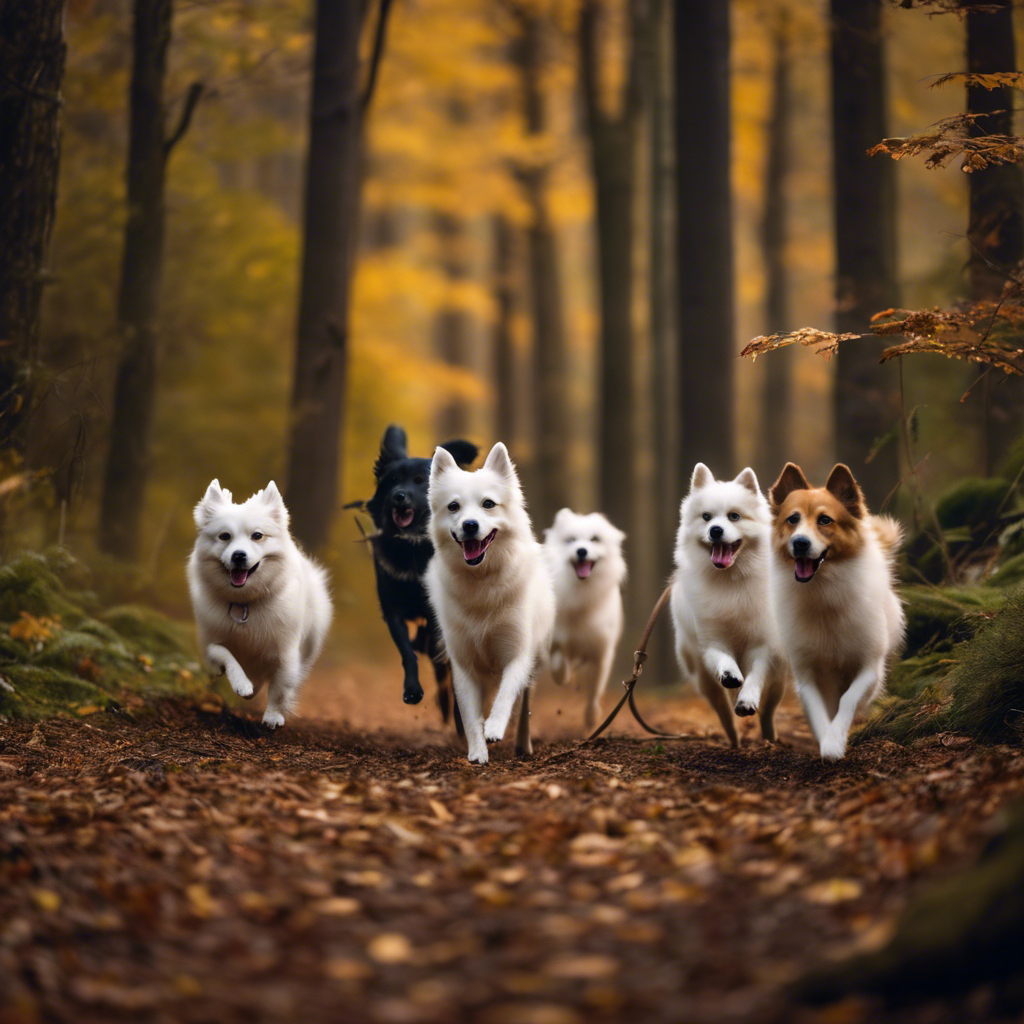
{"type": "Point", "coordinates": [492, 594]}
{"type": "Point", "coordinates": [832, 580]}
{"type": "Point", "coordinates": [262, 607]}
{"type": "Point", "coordinates": [584, 555]}
{"type": "Point", "coordinates": [726, 635]}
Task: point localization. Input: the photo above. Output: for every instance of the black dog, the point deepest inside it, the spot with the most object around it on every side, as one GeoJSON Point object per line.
{"type": "Point", "coordinates": [401, 551]}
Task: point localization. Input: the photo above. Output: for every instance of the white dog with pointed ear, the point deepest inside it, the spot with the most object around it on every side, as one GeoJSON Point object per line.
{"type": "Point", "coordinates": [584, 554]}
{"type": "Point", "coordinates": [262, 607]}
{"type": "Point", "coordinates": [727, 639]}
{"type": "Point", "coordinates": [491, 592]}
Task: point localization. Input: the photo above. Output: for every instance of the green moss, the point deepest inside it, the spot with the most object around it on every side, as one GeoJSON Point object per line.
{"type": "Point", "coordinates": [1009, 574]}
{"type": "Point", "coordinates": [41, 690]}
{"type": "Point", "coordinates": [972, 502]}
{"type": "Point", "coordinates": [149, 631]}
{"type": "Point", "coordinates": [69, 647]}
{"type": "Point", "coordinates": [28, 584]}
{"type": "Point", "coordinates": [940, 617]}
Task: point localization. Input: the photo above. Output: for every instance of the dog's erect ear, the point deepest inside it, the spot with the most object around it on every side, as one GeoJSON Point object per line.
{"type": "Point", "coordinates": [790, 479]}
{"type": "Point", "coordinates": [463, 451]}
{"type": "Point", "coordinates": [212, 499]}
{"type": "Point", "coordinates": [841, 483]}
{"type": "Point", "coordinates": [395, 445]}
{"type": "Point", "coordinates": [442, 462]}
{"type": "Point", "coordinates": [748, 479]}
{"type": "Point", "coordinates": [499, 461]}
{"type": "Point", "coordinates": [701, 477]}
{"type": "Point", "coordinates": [272, 499]}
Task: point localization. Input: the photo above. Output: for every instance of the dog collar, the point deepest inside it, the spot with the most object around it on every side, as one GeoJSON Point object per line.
{"type": "Point", "coordinates": [239, 612]}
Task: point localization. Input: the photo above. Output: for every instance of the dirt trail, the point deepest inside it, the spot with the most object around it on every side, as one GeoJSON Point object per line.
{"type": "Point", "coordinates": [175, 864]}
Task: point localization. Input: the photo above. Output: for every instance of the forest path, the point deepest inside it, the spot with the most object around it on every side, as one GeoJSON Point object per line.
{"type": "Point", "coordinates": [178, 864]}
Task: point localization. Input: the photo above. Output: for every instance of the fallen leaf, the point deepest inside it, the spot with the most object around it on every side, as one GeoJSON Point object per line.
{"type": "Point", "coordinates": [390, 948]}
{"type": "Point", "coordinates": [834, 890]}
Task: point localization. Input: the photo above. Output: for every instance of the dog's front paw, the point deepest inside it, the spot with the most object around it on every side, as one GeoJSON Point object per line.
{"type": "Point", "coordinates": [241, 685]}
{"type": "Point", "coordinates": [744, 708]}
{"type": "Point", "coordinates": [478, 756]}
{"type": "Point", "coordinates": [494, 729]}
{"type": "Point", "coordinates": [833, 746]}
{"type": "Point", "coordinates": [730, 681]}
{"type": "Point", "coordinates": [273, 719]}
{"type": "Point", "coordinates": [412, 692]}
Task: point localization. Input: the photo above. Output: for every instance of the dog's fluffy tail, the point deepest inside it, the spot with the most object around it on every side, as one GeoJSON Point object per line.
{"type": "Point", "coordinates": [889, 533]}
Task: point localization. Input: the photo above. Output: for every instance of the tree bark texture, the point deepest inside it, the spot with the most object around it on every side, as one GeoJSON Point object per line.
{"type": "Point", "coordinates": [553, 421]}
{"type": "Point", "coordinates": [614, 139]}
{"type": "Point", "coordinates": [775, 439]}
{"type": "Point", "coordinates": [503, 288]}
{"type": "Point", "coordinates": [866, 400]}
{"type": "Point", "coordinates": [127, 469]}
{"type": "Point", "coordinates": [32, 54]}
{"type": "Point", "coordinates": [706, 321]}
{"type": "Point", "coordinates": [451, 325]}
{"type": "Point", "coordinates": [995, 230]}
{"type": "Point", "coordinates": [330, 226]}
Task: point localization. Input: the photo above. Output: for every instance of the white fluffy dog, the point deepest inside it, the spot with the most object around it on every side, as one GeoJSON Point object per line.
{"type": "Point", "coordinates": [584, 555]}
{"type": "Point", "coordinates": [491, 591]}
{"type": "Point", "coordinates": [726, 635]}
{"type": "Point", "coordinates": [262, 607]}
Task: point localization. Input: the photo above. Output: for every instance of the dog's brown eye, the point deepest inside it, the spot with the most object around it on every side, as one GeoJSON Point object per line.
{"type": "Point", "coordinates": [794, 519]}
{"type": "Point", "coordinates": [417, 479]}
{"type": "Point", "coordinates": [734, 517]}
{"type": "Point", "coordinates": [224, 536]}
{"type": "Point", "coordinates": [593, 540]}
{"type": "Point", "coordinates": [487, 503]}
{"type": "Point", "coordinates": [824, 520]}
{"type": "Point", "coordinates": [706, 517]}
{"type": "Point", "coordinates": [257, 535]}
{"type": "Point", "coordinates": [453, 506]}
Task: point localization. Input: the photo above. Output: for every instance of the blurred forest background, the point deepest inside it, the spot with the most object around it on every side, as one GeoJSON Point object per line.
{"type": "Point", "coordinates": [561, 221]}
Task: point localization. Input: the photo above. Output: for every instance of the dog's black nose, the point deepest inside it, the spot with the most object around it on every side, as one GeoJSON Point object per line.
{"type": "Point", "coordinates": [715, 533]}
{"type": "Point", "coordinates": [470, 527]}
{"type": "Point", "coordinates": [801, 546]}
{"type": "Point", "coordinates": [239, 557]}
{"type": "Point", "coordinates": [581, 553]}
{"type": "Point", "coordinates": [399, 497]}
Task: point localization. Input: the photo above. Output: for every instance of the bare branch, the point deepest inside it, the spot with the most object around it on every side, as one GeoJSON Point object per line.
{"type": "Point", "coordinates": [380, 32]}
{"type": "Point", "coordinates": [195, 91]}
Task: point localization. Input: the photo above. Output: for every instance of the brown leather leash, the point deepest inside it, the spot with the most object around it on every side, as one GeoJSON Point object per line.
{"type": "Point", "coordinates": [639, 657]}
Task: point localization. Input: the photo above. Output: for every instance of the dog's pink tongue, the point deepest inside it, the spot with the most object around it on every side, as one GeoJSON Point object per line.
{"type": "Point", "coordinates": [402, 516]}
{"type": "Point", "coordinates": [472, 548]}
{"type": "Point", "coordinates": [722, 555]}
{"type": "Point", "coordinates": [239, 576]}
{"type": "Point", "coordinates": [584, 569]}
{"type": "Point", "coordinates": [804, 568]}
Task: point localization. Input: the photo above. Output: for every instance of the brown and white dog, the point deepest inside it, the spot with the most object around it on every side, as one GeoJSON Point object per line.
{"type": "Point", "coordinates": [832, 584]}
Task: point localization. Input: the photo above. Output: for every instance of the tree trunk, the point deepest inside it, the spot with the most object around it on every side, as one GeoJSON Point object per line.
{"type": "Point", "coordinates": [330, 226]}
{"type": "Point", "coordinates": [504, 347]}
{"type": "Point", "coordinates": [666, 482]}
{"type": "Point", "coordinates": [706, 322]}
{"type": "Point", "coordinates": [866, 396]}
{"type": "Point", "coordinates": [995, 230]}
{"type": "Point", "coordinates": [33, 62]}
{"type": "Point", "coordinates": [553, 433]}
{"type": "Point", "coordinates": [775, 439]}
{"type": "Point", "coordinates": [127, 470]}
{"type": "Point", "coordinates": [451, 327]}
{"type": "Point", "coordinates": [614, 138]}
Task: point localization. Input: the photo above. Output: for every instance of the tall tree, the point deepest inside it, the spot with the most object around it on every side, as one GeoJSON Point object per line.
{"type": "Point", "coordinates": [503, 267]}
{"type": "Point", "coordinates": [995, 230]}
{"type": "Point", "coordinates": [704, 267]}
{"type": "Point", "coordinates": [552, 419]}
{"type": "Point", "coordinates": [613, 130]}
{"type": "Point", "coordinates": [330, 227]}
{"type": "Point", "coordinates": [865, 398]}
{"type": "Point", "coordinates": [776, 407]}
{"type": "Point", "coordinates": [33, 52]}
{"type": "Point", "coordinates": [451, 324]}
{"type": "Point", "coordinates": [127, 468]}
